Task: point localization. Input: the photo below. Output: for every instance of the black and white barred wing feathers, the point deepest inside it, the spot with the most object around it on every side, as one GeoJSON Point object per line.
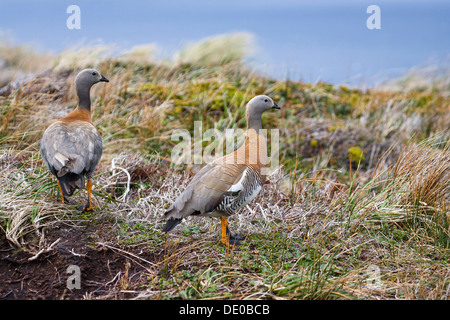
{"type": "Point", "coordinates": [217, 190]}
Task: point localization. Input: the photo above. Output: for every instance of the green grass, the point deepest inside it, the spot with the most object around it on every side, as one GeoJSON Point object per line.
{"type": "Point", "coordinates": [325, 217]}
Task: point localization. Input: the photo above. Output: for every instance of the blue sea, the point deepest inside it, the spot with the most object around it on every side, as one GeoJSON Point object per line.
{"type": "Point", "coordinates": [321, 40]}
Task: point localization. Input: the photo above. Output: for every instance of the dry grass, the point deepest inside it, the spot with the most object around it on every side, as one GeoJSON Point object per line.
{"type": "Point", "coordinates": [316, 230]}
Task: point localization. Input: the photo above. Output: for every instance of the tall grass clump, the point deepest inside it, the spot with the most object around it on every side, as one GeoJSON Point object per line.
{"type": "Point", "coordinates": [19, 61]}
{"type": "Point", "coordinates": [413, 193]}
{"type": "Point", "coordinates": [423, 174]}
{"type": "Point", "coordinates": [217, 50]}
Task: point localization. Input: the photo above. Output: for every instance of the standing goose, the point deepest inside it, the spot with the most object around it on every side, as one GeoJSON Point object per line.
{"type": "Point", "coordinates": [71, 147]}
{"type": "Point", "coordinates": [228, 183]}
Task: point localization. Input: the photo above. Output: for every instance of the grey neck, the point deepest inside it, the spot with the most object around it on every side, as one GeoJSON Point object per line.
{"type": "Point", "coordinates": [254, 121]}
{"type": "Point", "coordinates": [84, 97]}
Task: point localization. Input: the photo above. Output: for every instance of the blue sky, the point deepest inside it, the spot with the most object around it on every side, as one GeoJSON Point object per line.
{"type": "Point", "coordinates": [306, 40]}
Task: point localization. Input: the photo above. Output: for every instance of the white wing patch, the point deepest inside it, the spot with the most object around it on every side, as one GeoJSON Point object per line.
{"type": "Point", "coordinates": [61, 158]}
{"type": "Point", "coordinates": [238, 186]}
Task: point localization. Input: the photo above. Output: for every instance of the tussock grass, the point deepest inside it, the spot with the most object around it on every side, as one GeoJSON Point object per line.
{"type": "Point", "coordinates": [321, 225]}
{"type": "Point", "coordinates": [23, 211]}
{"type": "Point", "coordinates": [217, 50]}
{"type": "Point", "coordinates": [414, 193]}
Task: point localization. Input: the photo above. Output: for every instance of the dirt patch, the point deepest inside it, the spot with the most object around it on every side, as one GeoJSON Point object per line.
{"type": "Point", "coordinates": [105, 273]}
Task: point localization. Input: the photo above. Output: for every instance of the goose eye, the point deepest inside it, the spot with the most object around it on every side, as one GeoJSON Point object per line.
{"type": "Point", "coordinates": [265, 100]}
{"type": "Point", "coordinates": [94, 73]}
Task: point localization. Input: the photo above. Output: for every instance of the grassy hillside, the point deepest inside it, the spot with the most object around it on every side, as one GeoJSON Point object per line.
{"type": "Point", "coordinates": [358, 209]}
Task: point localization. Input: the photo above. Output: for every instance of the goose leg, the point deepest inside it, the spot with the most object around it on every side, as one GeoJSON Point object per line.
{"type": "Point", "coordinates": [88, 206]}
{"type": "Point", "coordinates": [63, 200]}
{"type": "Point", "coordinates": [60, 190]}
{"type": "Point", "coordinates": [227, 238]}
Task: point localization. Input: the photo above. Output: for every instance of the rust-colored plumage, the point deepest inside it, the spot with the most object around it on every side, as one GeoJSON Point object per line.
{"type": "Point", "coordinates": [227, 184]}
{"type": "Point", "coordinates": [71, 147]}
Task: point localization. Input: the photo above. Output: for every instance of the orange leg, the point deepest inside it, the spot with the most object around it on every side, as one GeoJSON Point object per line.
{"type": "Point", "coordinates": [225, 238]}
{"type": "Point", "coordinates": [62, 194]}
{"type": "Point", "coordinates": [89, 188]}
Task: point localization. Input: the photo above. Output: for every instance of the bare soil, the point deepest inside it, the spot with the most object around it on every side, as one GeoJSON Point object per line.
{"type": "Point", "coordinates": [106, 273]}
